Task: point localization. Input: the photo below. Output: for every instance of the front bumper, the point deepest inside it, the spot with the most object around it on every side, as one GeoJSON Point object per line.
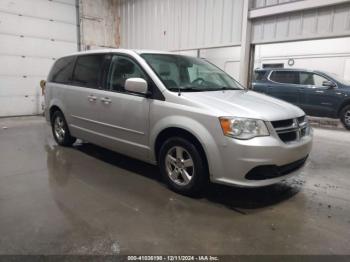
{"type": "Point", "coordinates": [261, 161]}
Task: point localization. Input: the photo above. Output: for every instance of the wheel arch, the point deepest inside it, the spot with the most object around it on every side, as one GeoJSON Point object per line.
{"type": "Point", "coordinates": [192, 130]}
{"type": "Point", "coordinates": [178, 132]}
{"type": "Point", "coordinates": [55, 104]}
{"type": "Point", "coordinates": [342, 105]}
{"type": "Point", "coordinates": [53, 109]}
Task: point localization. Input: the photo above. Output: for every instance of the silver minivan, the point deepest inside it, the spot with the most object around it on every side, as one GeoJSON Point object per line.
{"type": "Point", "coordinates": [183, 113]}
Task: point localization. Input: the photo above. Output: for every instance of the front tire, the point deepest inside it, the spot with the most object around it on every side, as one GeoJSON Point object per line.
{"type": "Point", "coordinates": [345, 117]}
{"type": "Point", "coordinates": [60, 130]}
{"type": "Point", "coordinates": [182, 166]}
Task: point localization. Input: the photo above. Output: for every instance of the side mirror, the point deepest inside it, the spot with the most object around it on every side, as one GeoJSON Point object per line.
{"type": "Point", "coordinates": [328, 84]}
{"type": "Point", "coordinates": [136, 85]}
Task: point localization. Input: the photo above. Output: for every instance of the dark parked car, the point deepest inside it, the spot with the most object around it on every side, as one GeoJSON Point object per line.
{"type": "Point", "coordinates": [317, 93]}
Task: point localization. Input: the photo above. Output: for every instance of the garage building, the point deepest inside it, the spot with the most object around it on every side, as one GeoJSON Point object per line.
{"type": "Point", "coordinates": [225, 32]}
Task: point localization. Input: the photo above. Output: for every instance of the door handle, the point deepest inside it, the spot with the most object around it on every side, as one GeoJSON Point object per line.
{"type": "Point", "coordinates": [92, 98]}
{"type": "Point", "coordinates": [106, 100]}
{"type": "Point", "coordinates": [320, 91]}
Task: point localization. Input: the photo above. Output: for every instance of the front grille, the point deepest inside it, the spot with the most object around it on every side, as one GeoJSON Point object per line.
{"type": "Point", "coordinates": [282, 123]}
{"type": "Point", "coordinates": [272, 171]}
{"type": "Point", "coordinates": [290, 130]}
{"type": "Point", "coordinates": [288, 137]}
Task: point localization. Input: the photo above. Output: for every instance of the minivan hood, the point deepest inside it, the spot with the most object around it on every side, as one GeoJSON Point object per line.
{"type": "Point", "coordinates": [243, 103]}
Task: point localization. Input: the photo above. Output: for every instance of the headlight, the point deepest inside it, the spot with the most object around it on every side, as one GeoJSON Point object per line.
{"type": "Point", "coordinates": [243, 128]}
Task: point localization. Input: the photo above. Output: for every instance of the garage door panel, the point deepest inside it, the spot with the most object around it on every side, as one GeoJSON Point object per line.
{"type": "Point", "coordinates": [18, 66]}
{"type": "Point", "coordinates": [35, 47]}
{"type": "Point", "coordinates": [28, 26]}
{"type": "Point", "coordinates": [52, 9]}
{"type": "Point", "coordinates": [19, 86]}
{"type": "Point", "coordinates": [19, 105]}
{"type": "Point", "coordinates": [33, 33]}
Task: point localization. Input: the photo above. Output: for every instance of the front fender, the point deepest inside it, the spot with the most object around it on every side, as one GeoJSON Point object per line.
{"type": "Point", "coordinates": [196, 129]}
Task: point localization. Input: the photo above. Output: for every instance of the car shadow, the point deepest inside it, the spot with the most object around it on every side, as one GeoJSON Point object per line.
{"type": "Point", "coordinates": [251, 198]}
{"type": "Point", "coordinates": [234, 198]}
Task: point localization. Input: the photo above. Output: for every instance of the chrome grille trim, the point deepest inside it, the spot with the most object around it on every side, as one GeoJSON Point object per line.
{"type": "Point", "coordinates": [287, 130]}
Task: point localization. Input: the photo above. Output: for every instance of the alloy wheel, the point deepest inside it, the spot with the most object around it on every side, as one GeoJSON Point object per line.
{"type": "Point", "coordinates": [179, 165]}
{"type": "Point", "coordinates": [59, 128]}
{"type": "Point", "coordinates": [347, 118]}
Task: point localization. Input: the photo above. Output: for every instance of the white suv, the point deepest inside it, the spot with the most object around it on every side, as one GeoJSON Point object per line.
{"type": "Point", "coordinates": [182, 113]}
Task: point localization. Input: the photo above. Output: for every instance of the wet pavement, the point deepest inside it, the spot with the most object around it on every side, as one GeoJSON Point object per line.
{"type": "Point", "coordinates": [88, 200]}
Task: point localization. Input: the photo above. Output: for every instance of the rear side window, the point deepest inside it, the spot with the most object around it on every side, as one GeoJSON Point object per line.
{"type": "Point", "coordinates": [87, 70]}
{"type": "Point", "coordinates": [285, 77]}
{"type": "Point", "coordinates": [259, 75]}
{"type": "Point", "coordinates": [62, 70]}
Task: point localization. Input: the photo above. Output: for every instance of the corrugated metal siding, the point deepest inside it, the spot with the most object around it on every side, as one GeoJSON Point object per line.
{"type": "Point", "coordinates": [33, 33]}
{"type": "Point", "coordinates": [333, 21]}
{"type": "Point", "coordinates": [265, 3]}
{"type": "Point", "coordinates": [180, 24]}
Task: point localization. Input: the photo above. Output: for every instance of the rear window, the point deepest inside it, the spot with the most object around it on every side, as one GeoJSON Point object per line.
{"type": "Point", "coordinates": [62, 70]}
{"type": "Point", "coordinates": [285, 77]}
{"type": "Point", "coordinates": [87, 70]}
{"type": "Point", "coordinates": [259, 75]}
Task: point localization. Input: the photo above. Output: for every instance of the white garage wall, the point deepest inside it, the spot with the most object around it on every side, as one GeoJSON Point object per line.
{"type": "Point", "coordinates": [209, 27]}
{"type": "Point", "coordinates": [33, 34]}
{"type": "Point", "coordinates": [227, 58]}
{"type": "Point", "coordinates": [332, 55]}
{"type": "Point", "coordinates": [179, 24]}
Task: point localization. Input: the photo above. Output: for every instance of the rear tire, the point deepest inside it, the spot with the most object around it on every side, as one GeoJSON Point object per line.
{"type": "Point", "coordinates": [182, 166]}
{"type": "Point", "coordinates": [345, 117]}
{"type": "Point", "coordinates": [60, 130]}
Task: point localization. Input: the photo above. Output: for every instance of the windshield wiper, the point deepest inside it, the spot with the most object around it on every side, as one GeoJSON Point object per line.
{"type": "Point", "coordinates": [227, 88]}
{"type": "Point", "coordinates": [185, 89]}
{"type": "Point", "coordinates": [200, 89]}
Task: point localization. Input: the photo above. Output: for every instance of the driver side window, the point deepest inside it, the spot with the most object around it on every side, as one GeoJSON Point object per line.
{"type": "Point", "coordinates": [312, 79]}
{"type": "Point", "coordinates": [121, 69]}
{"type": "Point", "coordinates": [319, 80]}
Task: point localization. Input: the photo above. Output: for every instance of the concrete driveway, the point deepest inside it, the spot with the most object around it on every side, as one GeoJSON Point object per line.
{"type": "Point", "coordinates": [88, 200]}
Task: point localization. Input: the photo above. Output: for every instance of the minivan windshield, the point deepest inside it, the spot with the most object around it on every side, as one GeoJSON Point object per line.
{"type": "Point", "coordinates": [189, 74]}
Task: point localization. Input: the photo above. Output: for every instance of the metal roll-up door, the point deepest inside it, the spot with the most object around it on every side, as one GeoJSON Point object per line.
{"type": "Point", "coordinates": [33, 33]}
